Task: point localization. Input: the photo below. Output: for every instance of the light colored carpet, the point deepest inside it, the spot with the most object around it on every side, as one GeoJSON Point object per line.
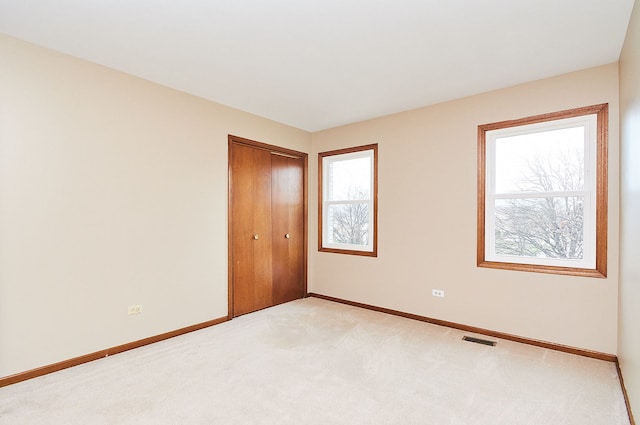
{"type": "Point", "coordinates": [316, 362]}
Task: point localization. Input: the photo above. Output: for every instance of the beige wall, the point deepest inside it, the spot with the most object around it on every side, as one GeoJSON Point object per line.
{"type": "Point", "coordinates": [629, 333]}
{"type": "Point", "coordinates": [427, 221]}
{"type": "Point", "coordinates": [113, 191]}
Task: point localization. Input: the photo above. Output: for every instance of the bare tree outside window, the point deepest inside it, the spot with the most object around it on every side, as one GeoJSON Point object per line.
{"type": "Point", "coordinates": [349, 222]}
{"type": "Point", "coordinates": [549, 226]}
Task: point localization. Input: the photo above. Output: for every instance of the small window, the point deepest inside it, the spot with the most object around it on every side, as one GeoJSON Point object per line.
{"type": "Point", "coordinates": [542, 193]}
{"type": "Point", "coordinates": [348, 201]}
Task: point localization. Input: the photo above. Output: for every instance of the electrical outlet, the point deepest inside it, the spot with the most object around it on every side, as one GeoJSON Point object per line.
{"type": "Point", "coordinates": [437, 293]}
{"type": "Point", "coordinates": [134, 309]}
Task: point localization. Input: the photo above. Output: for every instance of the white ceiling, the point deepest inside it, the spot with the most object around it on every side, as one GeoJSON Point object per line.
{"type": "Point", "coordinates": [316, 64]}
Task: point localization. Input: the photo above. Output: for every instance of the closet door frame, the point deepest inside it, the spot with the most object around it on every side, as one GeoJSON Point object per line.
{"type": "Point", "coordinates": [235, 140]}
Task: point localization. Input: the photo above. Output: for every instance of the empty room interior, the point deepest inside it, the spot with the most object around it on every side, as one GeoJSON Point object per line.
{"type": "Point", "coordinates": [174, 177]}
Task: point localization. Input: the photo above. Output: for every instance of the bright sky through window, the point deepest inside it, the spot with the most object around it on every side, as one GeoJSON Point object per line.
{"type": "Point", "coordinates": [350, 179]}
{"type": "Point", "coordinates": [516, 157]}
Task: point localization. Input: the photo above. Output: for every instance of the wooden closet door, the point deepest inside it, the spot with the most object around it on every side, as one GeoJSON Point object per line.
{"type": "Point", "coordinates": [287, 212]}
{"type": "Point", "coordinates": [251, 229]}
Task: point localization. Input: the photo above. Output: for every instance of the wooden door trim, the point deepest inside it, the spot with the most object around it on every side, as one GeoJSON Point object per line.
{"type": "Point", "coordinates": [236, 140]}
{"type": "Point", "coordinates": [272, 148]}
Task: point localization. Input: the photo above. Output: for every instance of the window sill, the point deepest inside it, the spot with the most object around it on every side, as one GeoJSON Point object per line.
{"type": "Point", "coordinates": [570, 271]}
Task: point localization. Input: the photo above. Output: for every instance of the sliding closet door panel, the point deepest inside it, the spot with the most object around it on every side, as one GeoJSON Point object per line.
{"type": "Point", "coordinates": [251, 229]}
{"type": "Point", "coordinates": [288, 227]}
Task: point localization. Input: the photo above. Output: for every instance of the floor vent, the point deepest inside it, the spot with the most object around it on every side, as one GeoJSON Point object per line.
{"type": "Point", "coordinates": [479, 341]}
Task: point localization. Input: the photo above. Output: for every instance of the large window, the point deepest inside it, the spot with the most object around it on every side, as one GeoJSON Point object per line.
{"type": "Point", "coordinates": [348, 201]}
{"type": "Point", "coordinates": [542, 193]}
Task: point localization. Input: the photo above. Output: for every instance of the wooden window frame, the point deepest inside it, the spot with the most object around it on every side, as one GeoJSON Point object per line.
{"type": "Point", "coordinates": [374, 195]}
{"type": "Point", "coordinates": [601, 193]}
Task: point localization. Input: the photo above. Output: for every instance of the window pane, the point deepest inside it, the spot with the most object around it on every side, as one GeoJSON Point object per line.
{"type": "Point", "coordinates": [540, 227]}
{"type": "Point", "coordinates": [349, 179]}
{"type": "Point", "coordinates": [348, 199]}
{"type": "Point", "coordinates": [542, 193]}
{"type": "Point", "coordinates": [348, 224]}
{"type": "Point", "coordinates": [541, 162]}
